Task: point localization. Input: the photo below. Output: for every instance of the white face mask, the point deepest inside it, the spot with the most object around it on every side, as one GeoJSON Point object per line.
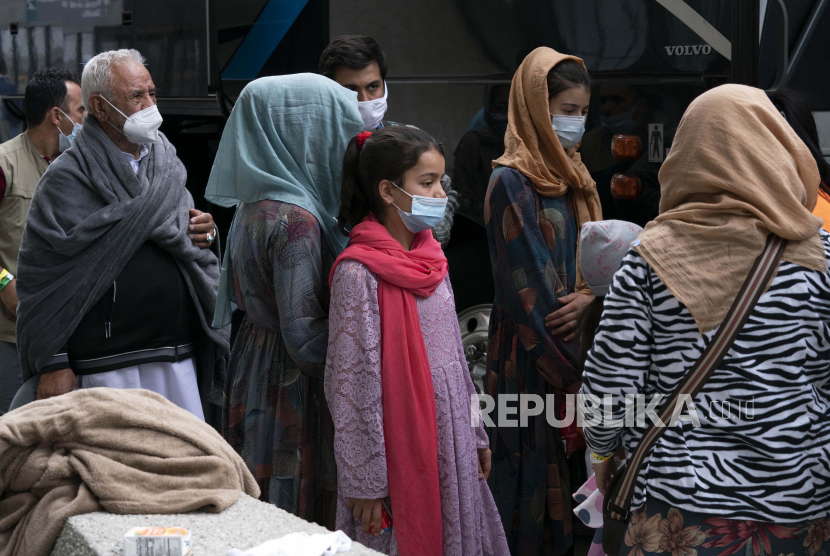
{"type": "Point", "coordinates": [372, 111]}
{"type": "Point", "coordinates": [569, 129]}
{"type": "Point", "coordinates": [65, 141]}
{"type": "Point", "coordinates": [142, 127]}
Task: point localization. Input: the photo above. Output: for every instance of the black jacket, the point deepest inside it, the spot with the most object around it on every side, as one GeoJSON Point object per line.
{"type": "Point", "coordinates": [146, 316]}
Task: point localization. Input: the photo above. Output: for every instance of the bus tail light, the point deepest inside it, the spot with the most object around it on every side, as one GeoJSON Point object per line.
{"type": "Point", "coordinates": [626, 188]}
{"type": "Point", "coordinates": [626, 147]}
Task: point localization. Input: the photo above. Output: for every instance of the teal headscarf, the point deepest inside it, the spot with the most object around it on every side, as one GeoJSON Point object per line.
{"type": "Point", "coordinates": [284, 141]}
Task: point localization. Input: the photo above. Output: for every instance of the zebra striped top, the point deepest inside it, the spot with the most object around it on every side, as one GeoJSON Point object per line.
{"type": "Point", "coordinates": [762, 450]}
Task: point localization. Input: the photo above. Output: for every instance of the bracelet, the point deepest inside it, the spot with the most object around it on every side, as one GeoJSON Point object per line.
{"type": "Point", "coordinates": [5, 278]}
{"type": "Point", "coordinates": [599, 459]}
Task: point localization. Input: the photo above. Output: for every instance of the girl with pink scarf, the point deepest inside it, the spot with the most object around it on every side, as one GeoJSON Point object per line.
{"type": "Point", "coordinates": [396, 378]}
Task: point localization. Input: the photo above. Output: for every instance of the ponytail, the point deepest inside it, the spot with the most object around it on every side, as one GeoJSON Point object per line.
{"type": "Point", "coordinates": [356, 200]}
{"type": "Point", "coordinates": [385, 154]}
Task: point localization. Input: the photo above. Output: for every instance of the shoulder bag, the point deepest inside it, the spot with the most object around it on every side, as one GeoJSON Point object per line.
{"type": "Point", "coordinates": [617, 505]}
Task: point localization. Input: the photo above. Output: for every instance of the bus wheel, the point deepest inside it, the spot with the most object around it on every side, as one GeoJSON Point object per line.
{"type": "Point", "coordinates": [474, 324]}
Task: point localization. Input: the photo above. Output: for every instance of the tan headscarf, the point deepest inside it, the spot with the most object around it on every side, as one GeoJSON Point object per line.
{"type": "Point", "coordinates": [736, 172]}
{"type": "Point", "coordinates": [532, 147]}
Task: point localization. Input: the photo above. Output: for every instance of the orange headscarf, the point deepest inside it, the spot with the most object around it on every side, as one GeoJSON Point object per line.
{"type": "Point", "coordinates": [532, 147]}
{"type": "Point", "coordinates": [736, 172]}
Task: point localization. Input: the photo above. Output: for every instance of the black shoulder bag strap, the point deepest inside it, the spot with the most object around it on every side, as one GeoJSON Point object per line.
{"type": "Point", "coordinates": [617, 505]}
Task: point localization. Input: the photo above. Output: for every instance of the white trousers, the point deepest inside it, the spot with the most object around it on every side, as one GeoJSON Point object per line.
{"type": "Point", "coordinates": [175, 381]}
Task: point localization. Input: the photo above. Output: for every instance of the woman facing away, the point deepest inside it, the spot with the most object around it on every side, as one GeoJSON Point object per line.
{"type": "Point", "coordinates": [753, 477]}
{"type": "Point", "coordinates": [280, 158]}
{"type": "Point", "coordinates": [539, 196]}
{"type": "Point", "coordinates": [396, 379]}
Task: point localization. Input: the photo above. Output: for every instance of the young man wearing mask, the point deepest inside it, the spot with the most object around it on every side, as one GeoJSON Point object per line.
{"type": "Point", "coordinates": [54, 111]}
{"type": "Point", "coordinates": [359, 63]}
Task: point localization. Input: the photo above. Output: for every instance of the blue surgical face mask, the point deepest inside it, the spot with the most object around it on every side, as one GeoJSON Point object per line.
{"type": "Point", "coordinates": [427, 212]}
{"type": "Point", "coordinates": [65, 141]}
{"type": "Point", "coordinates": [569, 129]}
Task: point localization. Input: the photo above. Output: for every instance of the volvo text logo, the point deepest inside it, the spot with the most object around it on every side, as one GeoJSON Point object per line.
{"type": "Point", "coordinates": [688, 50]}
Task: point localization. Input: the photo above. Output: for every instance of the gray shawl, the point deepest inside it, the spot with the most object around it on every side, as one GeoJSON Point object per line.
{"type": "Point", "coordinates": [89, 216]}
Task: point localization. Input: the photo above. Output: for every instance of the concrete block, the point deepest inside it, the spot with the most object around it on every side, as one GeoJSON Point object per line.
{"type": "Point", "coordinates": [246, 524]}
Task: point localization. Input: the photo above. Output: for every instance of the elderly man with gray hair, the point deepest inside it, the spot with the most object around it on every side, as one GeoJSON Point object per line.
{"type": "Point", "coordinates": [117, 269]}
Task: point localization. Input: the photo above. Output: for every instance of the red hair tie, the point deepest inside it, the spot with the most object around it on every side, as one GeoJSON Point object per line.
{"type": "Point", "coordinates": [361, 138]}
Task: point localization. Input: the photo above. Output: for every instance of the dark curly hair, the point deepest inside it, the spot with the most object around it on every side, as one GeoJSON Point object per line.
{"type": "Point", "coordinates": [352, 51]}
{"type": "Point", "coordinates": [46, 90]}
{"type": "Point", "coordinates": [386, 155]}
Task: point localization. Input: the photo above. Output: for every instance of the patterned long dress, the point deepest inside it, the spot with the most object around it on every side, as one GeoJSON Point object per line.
{"type": "Point", "coordinates": [533, 254]}
{"type": "Point", "coordinates": [661, 529]}
{"type": "Point", "coordinates": [470, 521]}
{"type": "Point", "coordinates": [275, 412]}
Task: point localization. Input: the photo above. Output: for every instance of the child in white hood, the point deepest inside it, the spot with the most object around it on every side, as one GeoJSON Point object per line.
{"type": "Point", "coordinates": [602, 247]}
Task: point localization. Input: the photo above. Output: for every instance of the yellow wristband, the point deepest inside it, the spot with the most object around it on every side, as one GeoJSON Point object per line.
{"type": "Point", "coordinates": [3, 274]}
{"type": "Point", "coordinates": [599, 459]}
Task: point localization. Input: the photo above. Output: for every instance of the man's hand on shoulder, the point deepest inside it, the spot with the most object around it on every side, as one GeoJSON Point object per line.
{"type": "Point", "coordinates": [56, 383]}
{"type": "Point", "coordinates": [201, 230]}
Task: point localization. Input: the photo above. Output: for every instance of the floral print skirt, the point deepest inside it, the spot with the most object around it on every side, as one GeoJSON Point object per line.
{"type": "Point", "coordinates": [659, 528]}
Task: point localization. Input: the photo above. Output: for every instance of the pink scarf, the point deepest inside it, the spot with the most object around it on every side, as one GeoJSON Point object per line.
{"type": "Point", "coordinates": [409, 422]}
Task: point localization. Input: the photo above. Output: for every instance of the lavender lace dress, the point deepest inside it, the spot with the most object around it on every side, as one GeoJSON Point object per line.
{"type": "Point", "coordinates": [471, 523]}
